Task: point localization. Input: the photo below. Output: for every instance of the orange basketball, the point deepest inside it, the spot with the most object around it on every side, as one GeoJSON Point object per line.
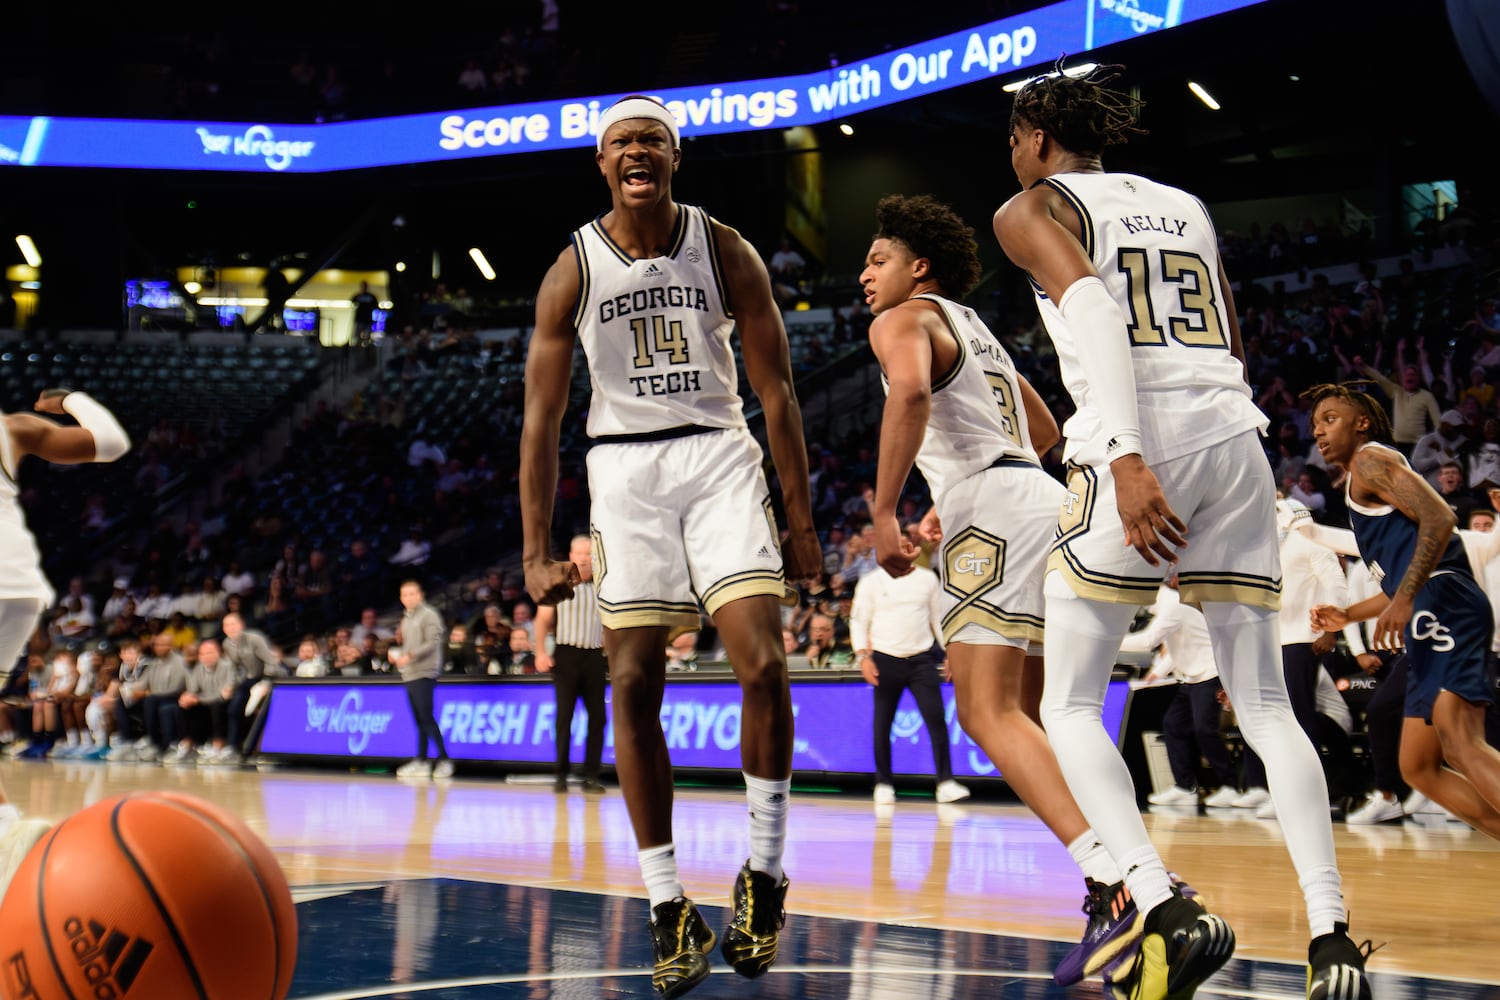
{"type": "Point", "coordinates": [148, 895]}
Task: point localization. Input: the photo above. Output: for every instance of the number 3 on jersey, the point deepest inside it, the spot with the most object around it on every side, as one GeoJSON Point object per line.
{"type": "Point", "coordinates": [1007, 403]}
{"type": "Point", "coordinates": [1197, 325]}
{"type": "Point", "coordinates": [668, 340]}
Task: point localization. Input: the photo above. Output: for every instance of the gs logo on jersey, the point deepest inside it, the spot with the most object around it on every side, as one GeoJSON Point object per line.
{"type": "Point", "coordinates": [973, 562]}
{"type": "Point", "coordinates": [1425, 627]}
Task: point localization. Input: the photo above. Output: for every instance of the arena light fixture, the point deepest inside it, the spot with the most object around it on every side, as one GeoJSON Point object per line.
{"type": "Point", "coordinates": [846, 128]}
{"type": "Point", "coordinates": [29, 251]}
{"type": "Point", "coordinates": [481, 262]}
{"type": "Point", "coordinates": [1203, 95]}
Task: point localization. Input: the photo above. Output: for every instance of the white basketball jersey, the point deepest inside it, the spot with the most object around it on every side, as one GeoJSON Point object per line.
{"type": "Point", "coordinates": [977, 415]}
{"type": "Point", "coordinates": [656, 332]}
{"type": "Point", "coordinates": [1156, 251]}
{"type": "Point", "coordinates": [20, 563]}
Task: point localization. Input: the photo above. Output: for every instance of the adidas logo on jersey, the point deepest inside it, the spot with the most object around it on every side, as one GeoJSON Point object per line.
{"type": "Point", "coordinates": [764, 552]}
{"type": "Point", "coordinates": [652, 271]}
{"type": "Point", "coordinates": [109, 958]}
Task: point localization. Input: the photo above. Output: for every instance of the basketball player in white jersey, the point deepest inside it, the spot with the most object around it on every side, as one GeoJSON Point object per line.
{"type": "Point", "coordinates": [1165, 470]}
{"type": "Point", "coordinates": [24, 589]}
{"type": "Point", "coordinates": [957, 409]}
{"type": "Point", "coordinates": [680, 510]}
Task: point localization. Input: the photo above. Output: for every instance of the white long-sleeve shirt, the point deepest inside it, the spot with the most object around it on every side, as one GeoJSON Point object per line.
{"type": "Point", "coordinates": [1310, 575]}
{"type": "Point", "coordinates": [1181, 629]}
{"type": "Point", "coordinates": [898, 616]}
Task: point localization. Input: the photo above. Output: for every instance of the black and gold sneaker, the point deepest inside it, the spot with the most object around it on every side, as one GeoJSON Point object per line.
{"type": "Point", "coordinates": [1183, 945]}
{"type": "Point", "coordinates": [1336, 967]}
{"type": "Point", "coordinates": [682, 942]}
{"type": "Point", "coordinates": [759, 911]}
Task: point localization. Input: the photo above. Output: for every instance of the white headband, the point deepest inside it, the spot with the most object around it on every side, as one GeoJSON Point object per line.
{"type": "Point", "coordinates": [637, 107]}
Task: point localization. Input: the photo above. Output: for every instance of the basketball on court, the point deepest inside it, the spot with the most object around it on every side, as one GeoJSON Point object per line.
{"type": "Point", "coordinates": [149, 894]}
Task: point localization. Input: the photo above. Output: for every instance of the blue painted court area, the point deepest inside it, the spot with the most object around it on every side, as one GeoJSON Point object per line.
{"type": "Point", "coordinates": [450, 939]}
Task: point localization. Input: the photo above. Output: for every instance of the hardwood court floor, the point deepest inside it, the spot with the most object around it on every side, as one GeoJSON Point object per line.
{"type": "Point", "coordinates": [449, 883]}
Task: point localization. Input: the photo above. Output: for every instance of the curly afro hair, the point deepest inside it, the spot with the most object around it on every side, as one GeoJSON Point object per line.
{"type": "Point", "coordinates": [932, 230]}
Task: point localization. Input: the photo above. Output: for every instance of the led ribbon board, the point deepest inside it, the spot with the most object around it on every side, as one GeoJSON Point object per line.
{"type": "Point", "coordinates": [1000, 48]}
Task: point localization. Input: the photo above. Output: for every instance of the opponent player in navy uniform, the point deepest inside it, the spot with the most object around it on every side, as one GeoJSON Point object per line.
{"type": "Point", "coordinates": [957, 409]}
{"type": "Point", "coordinates": [1429, 603]}
{"type": "Point", "coordinates": [680, 510]}
{"type": "Point", "coordinates": [24, 589]}
{"type": "Point", "coordinates": [1164, 445]}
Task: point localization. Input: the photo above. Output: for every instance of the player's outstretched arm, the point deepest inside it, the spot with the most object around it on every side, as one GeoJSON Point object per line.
{"type": "Point", "coordinates": [97, 438]}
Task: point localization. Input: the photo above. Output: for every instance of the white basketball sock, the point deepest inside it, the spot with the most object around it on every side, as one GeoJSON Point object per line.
{"type": "Point", "coordinates": [1093, 860]}
{"type": "Point", "coordinates": [769, 800]}
{"type": "Point", "coordinates": [659, 871]}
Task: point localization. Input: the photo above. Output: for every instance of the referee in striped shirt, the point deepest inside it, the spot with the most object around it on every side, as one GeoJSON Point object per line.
{"type": "Point", "coordinates": [577, 666]}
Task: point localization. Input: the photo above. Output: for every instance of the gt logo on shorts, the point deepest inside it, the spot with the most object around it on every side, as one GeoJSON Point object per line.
{"type": "Point", "coordinates": [968, 562]}
{"type": "Point", "coordinates": [1425, 625]}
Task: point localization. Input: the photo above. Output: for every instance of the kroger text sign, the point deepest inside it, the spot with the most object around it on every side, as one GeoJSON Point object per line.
{"type": "Point", "coordinates": [515, 722]}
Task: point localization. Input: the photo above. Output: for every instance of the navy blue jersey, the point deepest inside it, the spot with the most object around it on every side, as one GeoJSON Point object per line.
{"type": "Point", "coordinates": [1387, 538]}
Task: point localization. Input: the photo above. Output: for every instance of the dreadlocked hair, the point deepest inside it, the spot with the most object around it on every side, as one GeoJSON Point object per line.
{"type": "Point", "coordinates": [1351, 393]}
{"type": "Point", "coordinates": [932, 230]}
{"type": "Point", "coordinates": [1079, 112]}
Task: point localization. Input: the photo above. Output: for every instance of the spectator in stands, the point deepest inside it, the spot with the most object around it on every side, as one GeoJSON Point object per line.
{"type": "Point", "coordinates": [682, 653]}
{"type": "Point", "coordinates": [128, 699]}
{"type": "Point", "coordinates": [117, 600]}
{"type": "Point", "coordinates": [415, 550]}
{"type": "Point", "coordinates": [859, 555]}
{"type": "Point", "coordinates": [1307, 491]}
{"type": "Point", "coordinates": [365, 303]}
{"type": "Point", "coordinates": [1413, 408]}
{"type": "Point", "coordinates": [238, 580]}
{"type": "Point", "coordinates": [518, 656]}
{"type": "Point", "coordinates": [180, 633]}
{"type": "Point", "coordinates": [1451, 487]}
{"type": "Point", "coordinates": [310, 659]}
{"type": "Point", "coordinates": [787, 267]}
{"type": "Point", "coordinates": [1448, 443]}
{"type": "Point", "coordinates": [1484, 460]}
{"type": "Point", "coordinates": [369, 624]}
{"type": "Point", "coordinates": [72, 621]}
{"type": "Point", "coordinates": [460, 657]}
{"type": "Point", "coordinates": [825, 648]}
{"type": "Point", "coordinates": [314, 587]}
{"type": "Point", "coordinates": [521, 618]}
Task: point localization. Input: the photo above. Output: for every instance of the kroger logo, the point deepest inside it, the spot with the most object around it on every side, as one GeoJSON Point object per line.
{"type": "Point", "coordinates": [349, 718]}
{"type": "Point", "coordinates": [257, 141]}
{"type": "Point", "coordinates": [1140, 20]}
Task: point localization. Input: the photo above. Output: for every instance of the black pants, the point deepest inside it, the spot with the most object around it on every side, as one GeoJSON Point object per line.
{"type": "Point", "coordinates": [920, 674]}
{"type": "Point", "coordinates": [1190, 730]}
{"type": "Point", "coordinates": [237, 722]}
{"type": "Point", "coordinates": [579, 673]}
{"type": "Point", "coordinates": [420, 693]}
{"type": "Point", "coordinates": [1300, 666]}
{"type": "Point", "coordinates": [1385, 714]}
{"type": "Point", "coordinates": [164, 719]}
{"type": "Point", "coordinates": [208, 721]}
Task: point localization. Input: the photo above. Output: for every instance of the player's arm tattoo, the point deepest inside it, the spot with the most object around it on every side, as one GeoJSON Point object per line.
{"type": "Point", "coordinates": [1380, 475]}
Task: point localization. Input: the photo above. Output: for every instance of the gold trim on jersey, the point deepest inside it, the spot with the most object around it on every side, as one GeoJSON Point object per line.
{"type": "Point", "coordinates": [601, 565]}
{"type": "Point", "coordinates": [1019, 627]}
{"type": "Point", "coordinates": [1085, 221]}
{"type": "Point", "coordinates": [652, 617]}
{"type": "Point", "coordinates": [580, 311]}
{"type": "Point", "coordinates": [751, 583]}
{"type": "Point", "coordinates": [947, 378]}
{"type": "Point", "coordinates": [1077, 512]}
{"type": "Point", "coordinates": [715, 265]}
{"type": "Point", "coordinates": [1229, 588]}
{"type": "Point", "coordinates": [1104, 587]}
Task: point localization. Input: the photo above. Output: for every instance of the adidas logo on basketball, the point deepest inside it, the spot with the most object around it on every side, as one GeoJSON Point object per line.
{"type": "Point", "coordinates": [109, 958]}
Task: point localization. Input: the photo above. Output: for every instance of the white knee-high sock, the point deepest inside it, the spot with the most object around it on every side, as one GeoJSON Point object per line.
{"type": "Point", "coordinates": [769, 801]}
{"type": "Point", "coordinates": [1083, 638]}
{"type": "Point", "coordinates": [1247, 649]}
{"type": "Point", "coordinates": [1092, 859]}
